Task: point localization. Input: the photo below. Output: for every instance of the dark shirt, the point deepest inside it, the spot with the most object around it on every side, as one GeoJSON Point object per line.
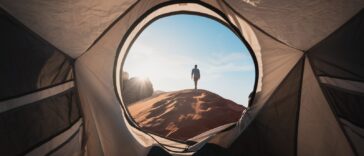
{"type": "Point", "coordinates": [195, 73]}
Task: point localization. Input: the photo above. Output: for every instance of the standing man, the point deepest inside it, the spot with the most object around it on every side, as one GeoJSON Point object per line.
{"type": "Point", "coordinates": [195, 75]}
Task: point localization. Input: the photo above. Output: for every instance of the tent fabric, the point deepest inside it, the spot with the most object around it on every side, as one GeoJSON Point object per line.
{"type": "Point", "coordinates": [319, 132]}
{"type": "Point", "coordinates": [85, 20]}
{"type": "Point", "coordinates": [355, 134]}
{"type": "Point", "coordinates": [341, 77]}
{"type": "Point", "coordinates": [70, 147]}
{"type": "Point", "coordinates": [340, 55]}
{"type": "Point", "coordinates": [26, 127]}
{"type": "Point", "coordinates": [38, 99]}
{"type": "Point", "coordinates": [308, 92]}
{"type": "Point", "coordinates": [346, 105]}
{"type": "Point", "coordinates": [73, 134]}
{"type": "Point", "coordinates": [298, 18]}
{"type": "Point", "coordinates": [276, 123]}
{"type": "Point", "coordinates": [348, 85]}
{"type": "Point", "coordinates": [107, 128]}
{"type": "Point", "coordinates": [28, 62]}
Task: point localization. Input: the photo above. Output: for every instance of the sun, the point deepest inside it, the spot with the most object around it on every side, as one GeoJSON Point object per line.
{"type": "Point", "coordinates": [148, 70]}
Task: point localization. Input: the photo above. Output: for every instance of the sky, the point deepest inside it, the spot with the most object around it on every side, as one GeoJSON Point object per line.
{"type": "Point", "coordinates": [167, 50]}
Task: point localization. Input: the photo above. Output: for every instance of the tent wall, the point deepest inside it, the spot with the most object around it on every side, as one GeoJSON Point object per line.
{"type": "Point", "coordinates": [338, 64]}
{"type": "Point", "coordinates": [276, 123]}
{"type": "Point", "coordinates": [298, 23]}
{"type": "Point", "coordinates": [319, 133]}
{"type": "Point", "coordinates": [38, 100]}
{"type": "Point", "coordinates": [330, 114]}
{"type": "Point", "coordinates": [71, 26]}
{"type": "Point", "coordinates": [27, 63]}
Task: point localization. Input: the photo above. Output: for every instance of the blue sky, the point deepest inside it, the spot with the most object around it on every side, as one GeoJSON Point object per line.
{"type": "Point", "coordinates": [167, 50]}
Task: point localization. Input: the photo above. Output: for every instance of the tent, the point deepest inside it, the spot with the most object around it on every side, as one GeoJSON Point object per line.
{"type": "Point", "coordinates": [61, 62]}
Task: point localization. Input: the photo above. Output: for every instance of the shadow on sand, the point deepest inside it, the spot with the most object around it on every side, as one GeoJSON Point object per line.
{"type": "Point", "coordinates": [184, 114]}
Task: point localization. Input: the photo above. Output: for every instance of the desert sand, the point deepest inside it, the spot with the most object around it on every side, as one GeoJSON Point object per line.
{"type": "Point", "coordinates": [181, 115]}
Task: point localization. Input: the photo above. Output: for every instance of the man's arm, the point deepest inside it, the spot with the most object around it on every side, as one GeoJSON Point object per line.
{"type": "Point", "coordinates": [192, 74]}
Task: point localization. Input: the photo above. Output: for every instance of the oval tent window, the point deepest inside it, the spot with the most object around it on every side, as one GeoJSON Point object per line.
{"type": "Point", "coordinates": [185, 75]}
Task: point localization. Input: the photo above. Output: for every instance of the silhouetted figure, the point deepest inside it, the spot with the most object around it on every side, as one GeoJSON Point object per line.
{"type": "Point", "coordinates": [195, 75]}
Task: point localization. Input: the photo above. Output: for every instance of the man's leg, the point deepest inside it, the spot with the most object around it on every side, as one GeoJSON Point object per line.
{"type": "Point", "coordinates": [195, 85]}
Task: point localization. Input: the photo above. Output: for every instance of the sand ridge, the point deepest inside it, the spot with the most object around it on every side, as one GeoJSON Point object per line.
{"type": "Point", "coordinates": [181, 115]}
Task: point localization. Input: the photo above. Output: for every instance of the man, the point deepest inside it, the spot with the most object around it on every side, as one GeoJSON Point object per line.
{"type": "Point", "coordinates": [195, 75]}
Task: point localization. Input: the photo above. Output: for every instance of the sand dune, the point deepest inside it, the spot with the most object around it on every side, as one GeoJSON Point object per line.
{"type": "Point", "coordinates": [184, 114]}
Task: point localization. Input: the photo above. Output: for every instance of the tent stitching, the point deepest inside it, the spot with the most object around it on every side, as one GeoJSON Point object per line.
{"type": "Point", "coordinates": [78, 100]}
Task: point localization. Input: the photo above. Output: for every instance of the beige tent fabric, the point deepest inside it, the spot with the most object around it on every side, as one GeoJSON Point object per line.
{"type": "Point", "coordinates": [72, 147]}
{"type": "Point", "coordinates": [344, 84]}
{"type": "Point", "coordinates": [85, 20]}
{"type": "Point", "coordinates": [319, 133]}
{"type": "Point", "coordinates": [60, 139]}
{"type": "Point", "coordinates": [102, 112]}
{"type": "Point", "coordinates": [355, 134]}
{"type": "Point", "coordinates": [298, 23]}
{"type": "Point", "coordinates": [71, 26]}
{"type": "Point", "coordinates": [104, 117]}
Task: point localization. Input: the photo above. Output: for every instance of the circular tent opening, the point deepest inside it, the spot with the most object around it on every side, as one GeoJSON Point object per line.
{"type": "Point", "coordinates": [135, 79]}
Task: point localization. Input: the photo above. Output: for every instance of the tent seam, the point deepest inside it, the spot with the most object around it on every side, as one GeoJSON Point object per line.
{"type": "Point", "coordinates": [332, 109]}
{"type": "Point", "coordinates": [78, 98]}
{"type": "Point", "coordinates": [299, 104]}
{"type": "Point", "coordinates": [340, 27]}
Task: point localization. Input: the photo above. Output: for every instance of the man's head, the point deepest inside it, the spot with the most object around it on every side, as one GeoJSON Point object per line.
{"type": "Point", "coordinates": [195, 65]}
